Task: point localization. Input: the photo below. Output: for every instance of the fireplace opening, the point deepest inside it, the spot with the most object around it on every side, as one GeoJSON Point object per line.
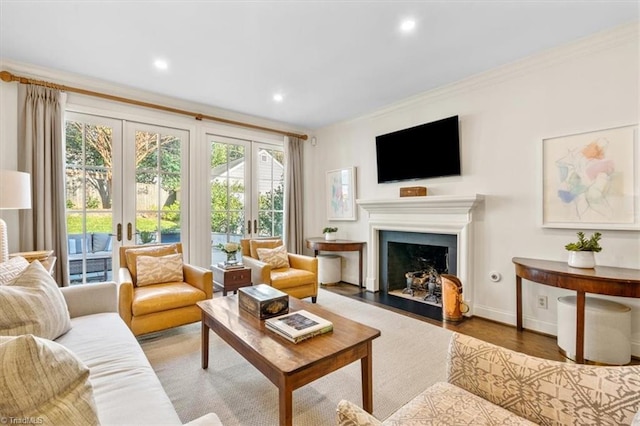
{"type": "Point", "coordinates": [410, 267]}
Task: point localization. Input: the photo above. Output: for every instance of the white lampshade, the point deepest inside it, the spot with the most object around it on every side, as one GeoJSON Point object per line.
{"type": "Point", "coordinates": [15, 193]}
{"type": "Point", "coordinates": [15, 190]}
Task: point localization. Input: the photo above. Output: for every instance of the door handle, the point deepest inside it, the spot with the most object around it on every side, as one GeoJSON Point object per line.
{"type": "Point", "coordinates": [119, 232]}
{"type": "Point", "coordinates": [255, 226]}
{"type": "Point", "coordinates": [249, 226]}
{"type": "Point", "coordinates": [129, 231]}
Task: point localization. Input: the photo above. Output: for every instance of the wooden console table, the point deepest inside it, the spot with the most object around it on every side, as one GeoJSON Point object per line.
{"type": "Point", "coordinates": [607, 280]}
{"type": "Point", "coordinates": [320, 244]}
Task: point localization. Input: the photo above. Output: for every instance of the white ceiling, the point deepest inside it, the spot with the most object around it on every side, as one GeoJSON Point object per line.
{"type": "Point", "coordinates": [332, 60]}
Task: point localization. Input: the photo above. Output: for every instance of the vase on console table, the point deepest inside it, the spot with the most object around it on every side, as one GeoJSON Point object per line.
{"type": "Point", "coordinates": [582, 259]}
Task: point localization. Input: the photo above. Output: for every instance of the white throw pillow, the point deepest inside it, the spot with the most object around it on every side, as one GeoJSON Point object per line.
{"type": "Point", "coordinates": [33, 304]}
{"type": "Point", "coordinates": [276, 257]}
{"type": "Point", "coordinates": [43, 380]}
{"type": "Point", "coordinates": [11, 269]}
{"type": "Point", "coordinates": [159, 269]}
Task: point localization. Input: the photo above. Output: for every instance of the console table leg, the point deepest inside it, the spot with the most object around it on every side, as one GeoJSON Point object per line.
{"type": "Point", "coordinates": [519, 303]}
{"type": "Point", "coordinates": [580, 305]}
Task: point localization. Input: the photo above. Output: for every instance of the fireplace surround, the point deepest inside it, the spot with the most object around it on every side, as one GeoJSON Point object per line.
{"type": "Point", "coordinates": [439, 215]}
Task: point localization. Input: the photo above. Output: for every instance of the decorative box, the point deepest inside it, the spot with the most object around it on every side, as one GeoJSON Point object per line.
{"type": "Point", "coordinates": [263, 301]}
{"type": "Point", "coordinates": [413, 191]}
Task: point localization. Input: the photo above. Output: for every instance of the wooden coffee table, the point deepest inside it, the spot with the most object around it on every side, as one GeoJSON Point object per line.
{"type": "Point", "coordinates": [288, 365]}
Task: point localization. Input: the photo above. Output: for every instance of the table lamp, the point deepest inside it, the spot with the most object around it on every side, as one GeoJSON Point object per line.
{"type": "Point", "coordinates": [15, 193]}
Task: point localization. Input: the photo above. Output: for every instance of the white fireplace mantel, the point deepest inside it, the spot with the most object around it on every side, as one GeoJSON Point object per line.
{"type": "Point", "coordinates": [439, 214]}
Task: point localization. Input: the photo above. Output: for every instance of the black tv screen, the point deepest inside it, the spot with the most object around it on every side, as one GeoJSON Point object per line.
{"type": "Point", "coordinates": [426, 151]}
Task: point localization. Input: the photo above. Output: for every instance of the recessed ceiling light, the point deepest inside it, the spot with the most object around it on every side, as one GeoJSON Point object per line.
{"type": "Point", "coordinates": [407, 25]}
{"type": "Point", "coordinates": [161, 64]}
{"type": "Point", "coordinates": [278, 97]}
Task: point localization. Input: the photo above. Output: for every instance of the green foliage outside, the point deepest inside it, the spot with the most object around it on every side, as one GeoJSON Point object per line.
{"type": "Point", "coordinates": [103, 223]}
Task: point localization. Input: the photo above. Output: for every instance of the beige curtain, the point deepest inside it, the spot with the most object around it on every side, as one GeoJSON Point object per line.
{"type": "Point", "coordinates": [293, 195]}
{"type": "Point", "coordinates": [41, 153]}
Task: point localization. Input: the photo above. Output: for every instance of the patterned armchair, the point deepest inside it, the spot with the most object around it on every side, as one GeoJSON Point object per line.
{"type": "Point", "coordinates": [159, 291]}
{"type": "Point", "coordinates": [490, 385]}
{"type": "Point", "coordinates": [295, 274]}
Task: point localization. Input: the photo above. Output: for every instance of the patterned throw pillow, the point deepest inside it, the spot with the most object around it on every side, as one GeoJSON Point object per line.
{"type": "Point", "coordinates": [159, 269]}
{"type": "Point", "coordinates": [43, 380]}
{"type": "Point", "coordinates": [276, 257]}
{"type": "Point", "coordinates": [11, 269]}
{"type": "Point", "coordinates": [133, 253]}
{"type": "Point", "coordinates": [33, 304]}
{"type": "Point", "coordinates": [254, 245]}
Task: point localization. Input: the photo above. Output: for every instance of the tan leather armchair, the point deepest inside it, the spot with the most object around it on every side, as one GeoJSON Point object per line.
{"type": "Point", "coordinates": [154, 307]}
{"type": "Point", "coordinates": [299, 280]}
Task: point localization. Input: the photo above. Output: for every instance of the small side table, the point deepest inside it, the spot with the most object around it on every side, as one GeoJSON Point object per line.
{"type": "Point", "coordinates": [231, 279]}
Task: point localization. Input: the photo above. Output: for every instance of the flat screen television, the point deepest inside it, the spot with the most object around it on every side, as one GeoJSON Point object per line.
{"type": "Point", "coordinates": [426, 151]}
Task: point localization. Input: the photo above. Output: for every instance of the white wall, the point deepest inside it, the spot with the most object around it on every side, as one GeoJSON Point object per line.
{"type": "Point", "coordinates": [504, 116]}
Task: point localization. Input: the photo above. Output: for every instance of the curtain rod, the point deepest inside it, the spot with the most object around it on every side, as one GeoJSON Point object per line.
{"type": "Point", "coordinates": [7, 77]}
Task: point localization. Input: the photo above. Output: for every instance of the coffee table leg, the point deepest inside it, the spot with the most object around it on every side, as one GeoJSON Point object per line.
{"type": "Point", "coordinates": [205, 343]}
{"type": "Point", "coordinates": [286, 404]}
{"type": "Point", "coordinates": [366, 365]}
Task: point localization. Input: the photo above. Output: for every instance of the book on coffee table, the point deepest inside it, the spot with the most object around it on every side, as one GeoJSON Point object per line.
{"type": "Point", "coordinates": [299, 325]}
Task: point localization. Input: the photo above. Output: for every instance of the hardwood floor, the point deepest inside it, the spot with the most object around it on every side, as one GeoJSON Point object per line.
{"type": "Point", "coordinates": [505, 335]}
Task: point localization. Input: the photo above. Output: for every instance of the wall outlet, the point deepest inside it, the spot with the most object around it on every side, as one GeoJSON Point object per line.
{"type": "Point", "coordinates": [542, 302]}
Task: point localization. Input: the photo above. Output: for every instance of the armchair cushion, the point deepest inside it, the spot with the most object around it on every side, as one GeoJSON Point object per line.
{"type": "Point", "coordinates": [256, 244]}
{"type": "Point", "coordinates": [163, 297]}
{"type": "Point", "coordinates": [159, 269]}
{"type": "Point", "coordinates": [133, 253]}
{"type": "Point", "coordinates": [276, 257]}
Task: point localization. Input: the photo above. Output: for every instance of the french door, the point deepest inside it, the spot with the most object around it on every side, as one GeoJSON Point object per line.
{"type": "Point", "coordinates": [247, 191]}
{"type": "Point", "coordinates": [124, 186]}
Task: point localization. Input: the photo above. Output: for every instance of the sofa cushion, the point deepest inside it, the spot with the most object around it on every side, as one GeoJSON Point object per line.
{"type": "Point", "coordinates": [132, 254]}
{"type": "Point", "coordinates": [256, 244]}
{"type": "Point", "coordinates": [286, 278]}
{"type": "Point", "coordinates": [33, 304]}
{"type": "Point", "coordinates": [446, 404]}
{"type": "Point", "coordinates": [11, 269]}
{"type": "Point", "coordinates": [42, 379]}
{"type": "Point", "coordinates": [100, 242]}
{"type": "Point", "coordinates": [125, 387]}
{"type": "Point", "coordinates": [276, 257]}
{"type": "Point", "coordinates": [79, 243]}
{"type": "Point", "coordinates": [159, 269]}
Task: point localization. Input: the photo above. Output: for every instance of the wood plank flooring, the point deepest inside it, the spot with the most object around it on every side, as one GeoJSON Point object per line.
{"type": "Point", "coordinates": [505, 335]}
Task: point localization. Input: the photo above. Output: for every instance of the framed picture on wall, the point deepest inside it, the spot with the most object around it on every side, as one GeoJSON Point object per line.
{"type": "Point", "coordinates": [590, 180]}
{"type": "Point", "coordinates": [341, 194]}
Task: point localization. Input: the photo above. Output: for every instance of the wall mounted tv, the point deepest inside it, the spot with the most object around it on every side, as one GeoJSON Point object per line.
{"type": "Point", "coordinates": [426, 151]}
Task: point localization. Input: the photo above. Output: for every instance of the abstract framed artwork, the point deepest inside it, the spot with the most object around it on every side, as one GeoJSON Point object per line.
{"type": "Point", "coordinates": [341, 194]}
{"type": "Point", "coordinates": [590, 180]}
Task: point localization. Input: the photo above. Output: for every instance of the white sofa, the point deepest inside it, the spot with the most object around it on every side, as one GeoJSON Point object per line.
{"type": "Point", "coordinates": [125, 387]}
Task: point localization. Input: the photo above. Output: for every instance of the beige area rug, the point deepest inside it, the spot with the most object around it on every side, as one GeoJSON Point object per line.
{"type": "Point", "coordinates": [409, 356]}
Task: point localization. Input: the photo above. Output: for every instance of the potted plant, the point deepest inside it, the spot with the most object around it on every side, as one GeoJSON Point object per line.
{"type": "Point", "coordinates": [330, 233]}
{"type": "Point", "coordinates": [581, 252]}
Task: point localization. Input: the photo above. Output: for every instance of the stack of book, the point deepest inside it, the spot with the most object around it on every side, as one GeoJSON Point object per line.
{"type": "Point", "coordinates": [298, 326]}
{"type": "Point", "coordinates": [225, 265]}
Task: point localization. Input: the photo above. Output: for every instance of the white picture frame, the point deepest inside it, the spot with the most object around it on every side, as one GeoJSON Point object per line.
{"type": "Point", "coordinates": [590, 180]}
{"type": "Point", "coordinates": [341, 194]}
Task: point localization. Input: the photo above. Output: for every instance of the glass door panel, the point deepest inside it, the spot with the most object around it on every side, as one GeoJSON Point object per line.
{"type": "Point", "coordinates": [228, 170]}
{"type": "Point", "coordinates": [91, 150]}
{"type": "Point", "coordinates": [270, 164]}
{"type": "Point", "coordinates": [158, 154]}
